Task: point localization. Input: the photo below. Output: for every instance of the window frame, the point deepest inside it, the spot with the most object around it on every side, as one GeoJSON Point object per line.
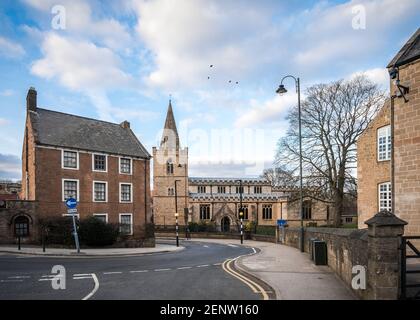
{"type": "Point", "coordinates": [93, 162]}
{"type": "Point", "coordinates": [201, 188]}
{"type": "Point", "coordinates": [389, 194]}
{"type": "Point", "coordinates": [101, 214]}
{"type": "Point", "coordinates": [131, 192]}
{"type": "Point", "coordinates": [62, 188]}
{"type": "Point", "coordinates": [62, 159]}
{"type": "Point", "coordinates": [131, 225]}
{"type": "Point", "coordinates": [307, 208]}
{"type": "Point", "coordinates": [204, 205]}
{"type": "Point", "coordinates": [27, 232]}
{"type": "Point", "coordinates": [388, 147]}
{"type": "Point", "coordinates": [264, 214]}
{"type": "Point", "coordinates": [106, 191]}
{"type": "Point", "coordinates": [258, 188]}
{"type": "Point", "coordinates": [131, 166]}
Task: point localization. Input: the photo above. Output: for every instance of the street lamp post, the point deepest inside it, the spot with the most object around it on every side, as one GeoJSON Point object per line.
{"type": "Point", "coordinates": [176, 215]}
{"type": "Point", "coordinates": [281, 90]}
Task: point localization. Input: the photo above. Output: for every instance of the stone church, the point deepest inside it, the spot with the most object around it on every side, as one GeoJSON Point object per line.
{"type": "Point", "coordinates": [218, 200]}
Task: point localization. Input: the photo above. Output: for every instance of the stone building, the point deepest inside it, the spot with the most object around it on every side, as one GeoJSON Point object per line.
{"type": "Point", "coordinates": [101, 164]}
{"type": "Point", "coordinates": [374, 147]}
{"type": "Point", "coordinates": [217, 200]}
{"type": "Point", "coordinates": [374, 167]}
{"type": "Point", "coordinates": [10, 187]}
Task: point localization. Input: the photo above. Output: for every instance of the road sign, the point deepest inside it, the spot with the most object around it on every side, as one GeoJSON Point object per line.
{"type": "Point", "coordinates": [281, 222]}
{"type": "Point", "coordinates": [71, 203]}
{"type": "Point", "coordinates": [72, 211]}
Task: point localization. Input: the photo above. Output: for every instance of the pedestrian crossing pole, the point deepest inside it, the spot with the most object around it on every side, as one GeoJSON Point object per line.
{"type": "Point", "coordinates": [241, 214]}
{"type": "Point", "coordinates": [176, 229]}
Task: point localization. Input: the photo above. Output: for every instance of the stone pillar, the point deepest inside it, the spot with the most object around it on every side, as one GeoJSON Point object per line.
{"type": "Point", "coordinates": [383, 273]}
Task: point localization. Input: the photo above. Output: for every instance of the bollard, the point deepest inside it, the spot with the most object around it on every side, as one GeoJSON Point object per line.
{"type": "Point", "coordinates": [19, 242]}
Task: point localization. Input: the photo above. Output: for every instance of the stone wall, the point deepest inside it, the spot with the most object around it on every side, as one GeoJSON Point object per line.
{"type": "Point", "coordinates": [375, 248]}
{"type": "Point", "coordinates": [346, 248]}
{"type": "Point", "coordinates": [15, 209]}
{"type": "Point", "coordinates": [407, 149]}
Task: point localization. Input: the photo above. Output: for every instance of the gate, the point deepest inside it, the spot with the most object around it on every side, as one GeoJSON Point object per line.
{"type": "Point", "coordinates": [410, 269]}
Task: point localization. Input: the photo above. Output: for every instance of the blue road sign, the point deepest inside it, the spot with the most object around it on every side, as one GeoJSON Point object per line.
{"type": "Point", "coordinates": [281, 222]}
{"type": "Point", "coordinates": [71, 203]}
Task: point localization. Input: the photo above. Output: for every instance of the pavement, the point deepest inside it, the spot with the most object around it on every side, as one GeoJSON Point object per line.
{"type": "Point", "coordinates": [35, 250]}
{"type": "Point", "coordinates": [290, 272]}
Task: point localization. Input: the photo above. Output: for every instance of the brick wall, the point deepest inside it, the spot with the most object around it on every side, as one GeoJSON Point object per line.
{"type": "Point", "coordinates": [370, 171]}
{"type": "Point", "coordinates": [49, 187]}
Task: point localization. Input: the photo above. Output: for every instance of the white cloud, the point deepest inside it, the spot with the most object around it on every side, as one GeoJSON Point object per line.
{"type": "Point", "coordinates": [79, 65]}
{"type": "Point", "coordinates": [11, 49]}
{"type": "Point", "coordinates": [3, 122]}
{"type": "Point", "coordinates": [84, 67]}
{"type": "Point", "coordinates": [271, 110]}
{"type": "Point", "coordinates": [187, 36]}
{"type": "Point", "coordinates": [379, 76]}
{"type": "Point", "coordinates": [327, 34]}
{"type": "Point", "coordinates": [80, 21]}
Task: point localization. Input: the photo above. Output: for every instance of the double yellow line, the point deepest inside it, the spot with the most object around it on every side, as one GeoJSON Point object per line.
{"type": "Point", "coordinates": [255, 287]}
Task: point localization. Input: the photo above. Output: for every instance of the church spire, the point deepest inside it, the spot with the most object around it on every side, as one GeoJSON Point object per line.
{"type": "Point", "coordinates": [170, 133]}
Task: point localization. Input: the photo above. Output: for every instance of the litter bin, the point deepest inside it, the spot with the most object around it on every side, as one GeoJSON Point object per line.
{"type": "Point", "coordinates": [320, 253]}
{"type": "Point", "coordinates": [311, 247]}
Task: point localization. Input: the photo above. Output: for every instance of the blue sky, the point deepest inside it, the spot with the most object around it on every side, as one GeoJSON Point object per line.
{"type": "Point", "coordinates": [121, 60]}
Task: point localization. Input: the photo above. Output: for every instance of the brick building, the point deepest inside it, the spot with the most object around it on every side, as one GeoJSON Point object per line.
{"type": "Point", "coordinates": [101, 164]}
{"type": "Point", "coordinates": [217, 200]}
{"type": "Point", "coordinates": [374, 147]}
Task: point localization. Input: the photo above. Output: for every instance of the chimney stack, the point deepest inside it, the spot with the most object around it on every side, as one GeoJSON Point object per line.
{"type": "Point", "coordinates": [125, 124]}
{"type": "Point", "coordinates": [31, 100]}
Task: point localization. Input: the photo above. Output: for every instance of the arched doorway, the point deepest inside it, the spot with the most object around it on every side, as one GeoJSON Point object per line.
{"type": "Point", "coordinates": [225, 224]}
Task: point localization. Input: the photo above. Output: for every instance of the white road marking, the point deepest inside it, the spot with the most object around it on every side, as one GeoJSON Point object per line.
{"type": "Point", "coordinates": [86, 277]}
{"type": "Point", "coordinates": [82, 274]}
{"type": "Point", "coordinates": [19, 277]}
{"type": "Point", "coordinates": [162, 269]}
{"type": "Point", "coordinates": [95, 279]}
{"type": "Point", "coordinates": [217, 264]}
{"type": "Point", "coordinates": [182, 268]}
{"type": "Point", "coordinates": [14, 280]}
{"type": "Point", "coordinates": [139, 271]}
{"type": "Point", "coordinates": [203, 265]}
{"type": "Point", "coordinates": [115, 272]}
{"type": "Point", "coordinates": [232, 245]}
{"type": "Point", "coordinates": [255, 251]}
{"type": "Point", "coordinates": [205, 246]}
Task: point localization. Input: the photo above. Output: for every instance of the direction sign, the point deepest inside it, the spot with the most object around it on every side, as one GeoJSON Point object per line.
{"type": "Point", "coordinates": [71, 203]}
{"type": "Point", "coordinates": [281, 222]}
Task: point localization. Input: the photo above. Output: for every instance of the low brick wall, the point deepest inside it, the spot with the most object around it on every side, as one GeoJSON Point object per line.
{"type": "Point", "coordinates": [346, 248]}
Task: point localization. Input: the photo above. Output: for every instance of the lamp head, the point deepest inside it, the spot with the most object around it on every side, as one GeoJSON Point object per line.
{"type": "Point", "coordinates": [281, 89]}
{"type": "Point", "coordinates": [176, 215]}
{"type": "Point", "coordinates": [393, 73]}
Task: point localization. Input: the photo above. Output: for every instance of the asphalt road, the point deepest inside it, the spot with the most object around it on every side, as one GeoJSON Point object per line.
{"type": "Point", "coordinates": [193, 273]}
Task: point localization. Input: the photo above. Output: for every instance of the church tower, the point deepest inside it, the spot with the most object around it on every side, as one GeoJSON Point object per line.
{"type": "Point", "coordinates": [170, 176]}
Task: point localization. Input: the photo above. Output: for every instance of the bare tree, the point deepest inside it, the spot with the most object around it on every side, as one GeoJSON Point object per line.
{"type": "Point", "coordinates": [279, 177]}
{"type": "Point", "coordinates": [334, 115]}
